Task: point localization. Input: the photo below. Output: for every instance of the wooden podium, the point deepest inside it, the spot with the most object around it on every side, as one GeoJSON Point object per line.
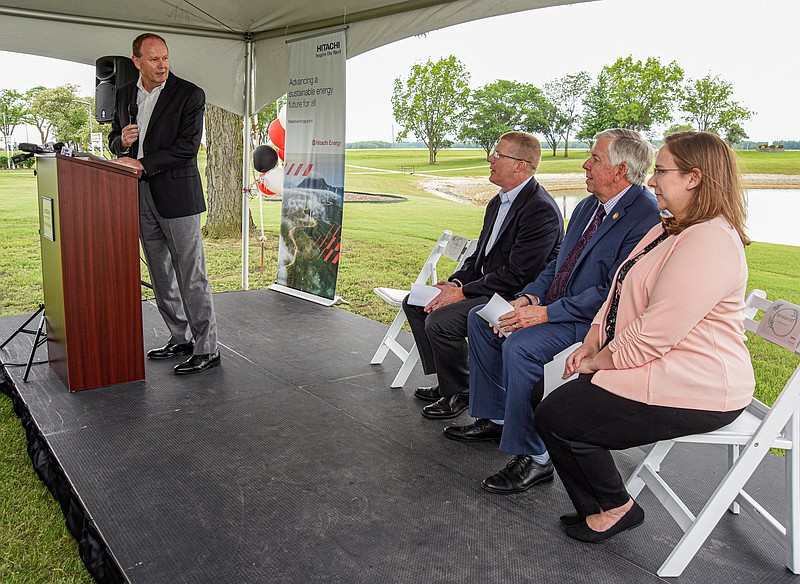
{"type": "Point", "coordinates": [89, 230]}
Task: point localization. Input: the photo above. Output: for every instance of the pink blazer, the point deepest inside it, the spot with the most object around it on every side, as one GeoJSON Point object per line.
{"type": "Point", "coordinates": [679, 339]}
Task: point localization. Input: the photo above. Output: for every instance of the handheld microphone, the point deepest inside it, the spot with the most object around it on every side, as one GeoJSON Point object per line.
{"type": "Point", "coordinates": [133, 111]}
{"type": "Point", "coordinates": [264, 158]}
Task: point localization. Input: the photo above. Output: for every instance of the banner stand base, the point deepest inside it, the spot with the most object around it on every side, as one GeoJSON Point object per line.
{"type": "Point", "coordinates": [307, 296]}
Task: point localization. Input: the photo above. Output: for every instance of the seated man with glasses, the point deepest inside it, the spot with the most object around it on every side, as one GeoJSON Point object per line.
{"type": "Point", "coordinates": [556, 309]}
{"type": "Point", "coordinates": [522, 232]}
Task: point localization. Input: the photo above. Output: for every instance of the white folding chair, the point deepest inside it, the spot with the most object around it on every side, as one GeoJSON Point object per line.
{"type": "Point", "coordinates": [451, 246]}
{"type": "Point", "coordinates": [748, 439]}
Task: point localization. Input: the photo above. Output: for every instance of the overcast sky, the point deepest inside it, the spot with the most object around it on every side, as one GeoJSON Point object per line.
{"type": "Point", "coordinates": [752, 44]}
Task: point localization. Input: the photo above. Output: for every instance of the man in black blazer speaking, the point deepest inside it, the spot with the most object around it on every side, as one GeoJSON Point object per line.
{"type": "Point", "coordinates": [157, 126]}
{"type": "Point", "coordinates": [522, 232]}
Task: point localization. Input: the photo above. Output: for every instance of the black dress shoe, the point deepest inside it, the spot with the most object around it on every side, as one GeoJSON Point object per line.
{"type": "Point", "coordinates": [428, 394]}
{"type": "Point", "coordinates": [171, 350]}
{"type": "Point", "coordinates": [447, 407]}
{"type": "Point", "coordinates": [198, 363]}
{"type": "Point", "coordinates": [520, 474]}
{"type": "Point", "coordinates": [582, 532]}
{"type": "Point", "coordinates": [571, 519]}
{"type": "Point", "coordinates": [480, 430]}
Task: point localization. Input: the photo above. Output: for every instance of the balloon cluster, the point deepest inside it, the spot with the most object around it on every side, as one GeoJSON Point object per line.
{"type": "Point", "coordinates": [271, 182]}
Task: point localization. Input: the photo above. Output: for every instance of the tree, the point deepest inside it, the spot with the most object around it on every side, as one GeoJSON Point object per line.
{"type": "Point", "coordinates": [224, 173]}
{"type": "Point", "coordinates": [12, 111]}
{"type": "Point", "coordinates": [553, 127]}
{"type": "Point", "coordinates": [707, 103]}
{"type": "Point", "coordinates": [61, 107]}
{"type": "Point", "coordinates": [533, 109]}
{"type": "Point", "coordinates": [735, 133]}
{"type": "Point", "coordinates": [675, 128]}
{"type": "Point", "coordinates": [564, 96]}
{"type": "Point", "coordinates": [632, 94]}
{"type": "Point", "coordinates": [500, 107]}
{"type": "Point", "coordinates": [492, 113]}
{"type": "Point", "coordinates": [34, 118]}
{"type": "Point", "coordinates": [431, 102]}
{"type": "Point", "coordinates": [263, 119]}
{"type": "Point", "coordinates": [597, 110]}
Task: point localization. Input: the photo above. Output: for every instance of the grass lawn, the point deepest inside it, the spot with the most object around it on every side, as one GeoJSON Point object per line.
{"type": "Point", "coordinates": [473, 162]}
{"type": "Point", "coordinates": [383, 245]}
{"type": "Point", "coordinates": [755, 162]}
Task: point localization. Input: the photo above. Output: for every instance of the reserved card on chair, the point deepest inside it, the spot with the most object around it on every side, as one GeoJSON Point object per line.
{"type": "Point", "coordinates": [781, 324]}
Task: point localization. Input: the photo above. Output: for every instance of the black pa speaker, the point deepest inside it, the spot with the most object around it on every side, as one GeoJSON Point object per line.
{"type": "Point", "coordinates": [110, 73]}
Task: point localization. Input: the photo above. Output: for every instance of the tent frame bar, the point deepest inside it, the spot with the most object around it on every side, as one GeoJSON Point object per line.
{"type": "Point", "coordinates": [246, 156]}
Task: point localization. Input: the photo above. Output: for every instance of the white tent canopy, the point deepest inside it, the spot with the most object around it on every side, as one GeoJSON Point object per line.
{"type": "Point", "coordinates": [234, 49]}
{"type": "Point", "coordinates": [208, 38]}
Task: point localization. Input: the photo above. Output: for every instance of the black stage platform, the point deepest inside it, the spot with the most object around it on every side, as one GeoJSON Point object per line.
{"type": "Point", "coordinates": [295, 462]}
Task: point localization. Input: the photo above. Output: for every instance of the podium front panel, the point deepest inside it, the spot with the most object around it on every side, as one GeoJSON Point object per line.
{"type": "Point", "coordinates": [92, 275]}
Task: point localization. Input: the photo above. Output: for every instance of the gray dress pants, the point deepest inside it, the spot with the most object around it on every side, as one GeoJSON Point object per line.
{"type": "Point", "coordinates": [173, 249]}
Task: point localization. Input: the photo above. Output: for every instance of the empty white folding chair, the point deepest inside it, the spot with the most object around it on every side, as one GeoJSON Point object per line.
{"type": "Point", "coordinates": [451, 246]}
{"type": "Point", "coordinates": [749, 439]}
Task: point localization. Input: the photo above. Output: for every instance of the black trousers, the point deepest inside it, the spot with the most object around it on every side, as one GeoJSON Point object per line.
{"type": "Point", "coordinates": [441, 338]}
{"type": "Point", "coordinates": [581, 423]}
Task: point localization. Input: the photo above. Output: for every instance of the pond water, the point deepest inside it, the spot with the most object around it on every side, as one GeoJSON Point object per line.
{"type": "Point", "coordinates": [772, 213]}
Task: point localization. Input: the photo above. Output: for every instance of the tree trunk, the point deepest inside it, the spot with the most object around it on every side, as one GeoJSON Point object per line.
{"type": "Point", "coordinates": [224, 174]}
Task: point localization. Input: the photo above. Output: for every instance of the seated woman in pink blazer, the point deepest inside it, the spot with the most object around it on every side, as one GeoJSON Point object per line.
{"type": "Point", "coordinates": [665, 355]}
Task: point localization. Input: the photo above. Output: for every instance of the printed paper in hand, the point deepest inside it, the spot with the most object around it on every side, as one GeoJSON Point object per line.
{"type": "Point", "coordinates": [422, 294]}
{"type": "Point", "coordinates": [494, 309]}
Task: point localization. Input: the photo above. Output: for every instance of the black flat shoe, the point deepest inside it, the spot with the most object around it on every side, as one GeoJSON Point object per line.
{"type": "Point", "coordinates": [171, 350]}
{"type": "Point", "coordinates": [582, 532]}
{"type": "Point", "coordinates": [198, 363]}
{"type": "Point", "coordinates": [571, 519]}
{"type": "Point", "coordinates": [520, 474]}
{"type": "Point", "coordinates": [428, 394]}
{"type": "Point", "coordinates": [447, 407]}
{"type": "Point", "coordinates": [480, 430]}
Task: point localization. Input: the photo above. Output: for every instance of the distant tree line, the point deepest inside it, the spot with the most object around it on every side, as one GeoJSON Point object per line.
{"type": "Point", "coordinates": [435, 104]}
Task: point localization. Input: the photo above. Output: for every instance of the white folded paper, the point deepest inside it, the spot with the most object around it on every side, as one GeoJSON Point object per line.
{"type": "Point", "coordinates": [494, 309]}
{"type": "Point", "coordinates": [422, 294]}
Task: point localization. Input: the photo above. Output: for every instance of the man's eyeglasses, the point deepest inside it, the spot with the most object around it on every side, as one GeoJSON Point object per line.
{"type": "Point", "coordinates": [498, 155]}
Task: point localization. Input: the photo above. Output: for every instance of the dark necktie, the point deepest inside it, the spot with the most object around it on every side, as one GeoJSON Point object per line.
{"type": "Point", "coordinates": [559, 284]}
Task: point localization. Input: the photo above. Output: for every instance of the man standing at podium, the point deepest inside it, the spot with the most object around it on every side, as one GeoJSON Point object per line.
{"type": "Point", "coordinates": [158, 122]}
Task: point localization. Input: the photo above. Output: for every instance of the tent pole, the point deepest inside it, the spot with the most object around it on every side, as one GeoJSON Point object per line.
{"type": "Point", "coordinates": [248, 106]}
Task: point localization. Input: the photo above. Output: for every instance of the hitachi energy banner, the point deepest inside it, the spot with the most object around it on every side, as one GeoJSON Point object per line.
{"type": "Point", "coordinates": [313, 187]}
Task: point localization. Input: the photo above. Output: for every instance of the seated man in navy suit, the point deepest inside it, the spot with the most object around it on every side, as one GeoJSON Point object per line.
{"type": "Point", "coordinates": [522, 231]}
{"type": "Point", "coordinates": [556, 309]}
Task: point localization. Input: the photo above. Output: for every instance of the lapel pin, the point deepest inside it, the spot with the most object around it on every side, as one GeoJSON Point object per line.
{"type": "Point", "coordinates": [615, 215]}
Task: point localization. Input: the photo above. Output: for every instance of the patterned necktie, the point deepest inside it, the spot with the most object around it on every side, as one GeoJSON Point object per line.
{"type": "Point", "coordinates": [559, 284]}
